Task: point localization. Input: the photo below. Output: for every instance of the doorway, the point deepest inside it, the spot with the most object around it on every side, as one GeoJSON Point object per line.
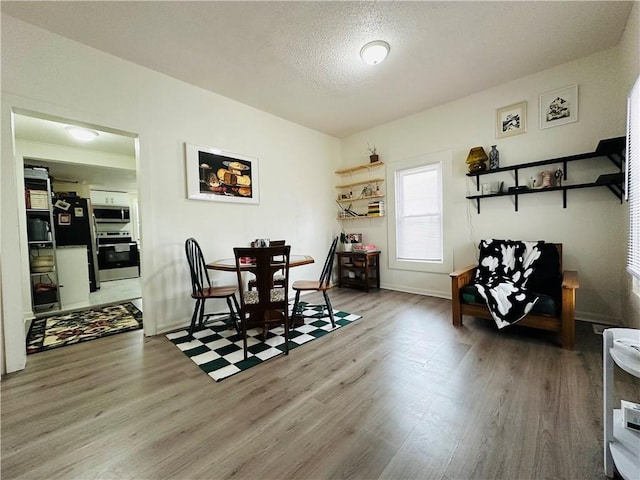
{"type": "Point", "coordinates": [77, 169]}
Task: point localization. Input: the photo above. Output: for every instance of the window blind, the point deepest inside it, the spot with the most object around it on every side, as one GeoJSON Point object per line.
{"type": "Point", "coordinates": [633, 179]}
{"type": "Point", "coordinates": [419, 213]}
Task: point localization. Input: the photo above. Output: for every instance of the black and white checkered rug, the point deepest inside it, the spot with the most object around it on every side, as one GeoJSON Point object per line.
{"type": "Point", "coordinates": [218, 351]}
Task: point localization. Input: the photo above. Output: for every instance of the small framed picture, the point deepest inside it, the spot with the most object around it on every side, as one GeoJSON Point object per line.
{"type": "Point", "coordinates": [511, 120]}
{"type": "Point", "coordinates": [64, 219]}
{"type": "Point", "coordinates": [559, 107]}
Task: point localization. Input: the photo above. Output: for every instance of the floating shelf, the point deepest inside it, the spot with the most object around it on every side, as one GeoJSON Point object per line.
{"type": "Point", "coordinates": [359, 168]}
{"type": "Point", "coordinates": [612, 148]}
{"type": "Point", "coordinates": [349, 200]}
{"type": "Point", "coordinates": [364, 182]}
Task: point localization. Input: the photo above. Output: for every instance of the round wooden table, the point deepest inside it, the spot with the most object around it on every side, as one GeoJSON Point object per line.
{"type": "Point", "coordinates": [229, 264]}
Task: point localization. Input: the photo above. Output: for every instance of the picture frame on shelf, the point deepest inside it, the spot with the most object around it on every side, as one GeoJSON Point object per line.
{"type": "Point", "coordinates": [558, 107]}
{"type": "Point", "coordinates": [216, 175]}
{"type": "Point", "coordinates": [511, 120]}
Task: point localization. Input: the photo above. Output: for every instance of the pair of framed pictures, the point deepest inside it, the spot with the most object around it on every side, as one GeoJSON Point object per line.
{"type": "Point", "coordinates": [556, 108]}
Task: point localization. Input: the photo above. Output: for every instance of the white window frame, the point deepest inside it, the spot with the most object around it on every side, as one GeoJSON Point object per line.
{"type": "Point", "coordinates": [442, 160]}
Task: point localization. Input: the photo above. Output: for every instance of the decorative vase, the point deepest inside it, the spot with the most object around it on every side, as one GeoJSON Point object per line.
{"type": "Point", "coordinates": [346, 247]}
{"type": "Point", "coordinates": [373, 158]}
{"type": "Point", "coordinates": [494, 158]}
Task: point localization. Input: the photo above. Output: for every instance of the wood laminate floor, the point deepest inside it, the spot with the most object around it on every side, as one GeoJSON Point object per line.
{"type": "Point", "coordinates": [399, 394]}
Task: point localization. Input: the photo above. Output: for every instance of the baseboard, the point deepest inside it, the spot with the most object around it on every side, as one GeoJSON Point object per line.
{"type": "Point", "coordinates": [415, 291]}
{"type": "Point", "coordinates": [596, 318]}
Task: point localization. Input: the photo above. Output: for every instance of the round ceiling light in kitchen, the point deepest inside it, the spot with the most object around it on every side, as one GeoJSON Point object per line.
{"type": "Point", "coordinates": [82, 134]}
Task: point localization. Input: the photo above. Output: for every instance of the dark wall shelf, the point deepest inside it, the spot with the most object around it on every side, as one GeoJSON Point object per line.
{"type": "Point", "coordinates": [612, 148]}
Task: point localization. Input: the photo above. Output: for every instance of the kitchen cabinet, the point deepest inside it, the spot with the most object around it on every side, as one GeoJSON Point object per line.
{"type": "Point", "coordinates": [359, 269]}
{"type": "Point", "coordinates": [612, 149]}
{"type": "Point", "coordinates": [621, 445]}
{"type": "Point", "coordinates": [41, 243]}
{"type": "Point", "coordinates": [73, 275]}
{"type": "Point", "coordinates": [108, 198]}
{"type": "Point", "coordinates": [361, 187]}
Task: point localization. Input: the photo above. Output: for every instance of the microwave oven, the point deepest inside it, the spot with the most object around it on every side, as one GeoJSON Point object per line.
{"type": "Point", "coordinates": [112, 214]}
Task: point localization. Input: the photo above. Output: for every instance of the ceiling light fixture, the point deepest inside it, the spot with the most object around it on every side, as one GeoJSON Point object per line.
{"type": "Point", "coordinates": [82, 134]}
{"type": "Point", "coordinates": [375, 52]}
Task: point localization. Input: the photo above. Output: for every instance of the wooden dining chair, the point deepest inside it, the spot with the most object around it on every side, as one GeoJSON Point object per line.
{"type": "Point", "coordinates": [201, 290]}
{"type": "Point", "coordinates": [323, 284]}
{"type": "Point", "coordinates": [278, 278]}
{"type": "Point", "coordinates": [268, 304]}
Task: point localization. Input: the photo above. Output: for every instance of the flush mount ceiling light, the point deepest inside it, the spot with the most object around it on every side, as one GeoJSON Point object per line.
{"type": "Point", "coordinates": [374, 52]}
{"type": "Point", "coordinates": [82, 134]}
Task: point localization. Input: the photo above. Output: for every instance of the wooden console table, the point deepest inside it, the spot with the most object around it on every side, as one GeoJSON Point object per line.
{"type": "Point", "coordinates": [359, 269]}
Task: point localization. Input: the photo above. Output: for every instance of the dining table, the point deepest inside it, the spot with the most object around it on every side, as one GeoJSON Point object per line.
{"type": "Point", "coordinates": [229, 264]}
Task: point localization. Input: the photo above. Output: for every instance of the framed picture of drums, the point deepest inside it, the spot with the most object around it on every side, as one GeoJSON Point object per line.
{"type": "Point", "coordinates": [216, 175]}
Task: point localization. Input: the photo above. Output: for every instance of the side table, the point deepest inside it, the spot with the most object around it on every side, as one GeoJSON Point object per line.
{"type": "Point", "coordinates": [359, 269]}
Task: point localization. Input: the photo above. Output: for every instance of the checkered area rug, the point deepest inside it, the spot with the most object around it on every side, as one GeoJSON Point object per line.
{"type": "Point", "coordinates": [218, 349]}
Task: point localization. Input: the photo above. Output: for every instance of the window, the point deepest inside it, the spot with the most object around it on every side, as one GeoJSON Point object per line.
{"type": "Point", "coordinates": [417, 229]}
{"type": "Point", "coordinates": [419, 214]}
{"type": "Point", "coordinates": [633, 179]}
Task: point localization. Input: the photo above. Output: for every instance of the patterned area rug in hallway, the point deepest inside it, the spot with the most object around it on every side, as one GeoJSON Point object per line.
{"type": "Point", "coordinates": [69, 328]}
{"type": "Point", "coordinates": [218, 349]}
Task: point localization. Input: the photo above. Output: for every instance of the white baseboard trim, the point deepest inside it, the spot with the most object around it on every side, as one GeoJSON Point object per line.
{"type": "Point", "coordinates": [596, 318]}
{"type": "Point", "coordinates": [428, 293]}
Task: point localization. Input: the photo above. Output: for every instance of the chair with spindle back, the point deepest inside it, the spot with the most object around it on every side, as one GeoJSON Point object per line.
{"type": "Point", "coordinates": [201, 289]}
{"type": "Point", "coordinates": [323, 284]}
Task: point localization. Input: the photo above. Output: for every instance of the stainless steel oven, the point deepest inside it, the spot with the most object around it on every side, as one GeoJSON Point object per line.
{"type": "Point", "coordinates": [118, 256]}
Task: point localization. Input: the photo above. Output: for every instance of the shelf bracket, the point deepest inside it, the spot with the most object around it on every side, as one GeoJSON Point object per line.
{"type": "Point", "coordinates": [616, 159]}
{"type": "Point", "coordinates": [617, 191]}
{"type": "Point", "coordinates": [564, 198]}
{"type": "Point", "coordinates": [478, 205]}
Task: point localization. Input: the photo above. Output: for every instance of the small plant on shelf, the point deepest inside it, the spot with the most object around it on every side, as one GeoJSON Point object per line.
{"type": "Point", "coordinates": [373, 153]}
{"type": "Point", "coordinates": [348, 240]}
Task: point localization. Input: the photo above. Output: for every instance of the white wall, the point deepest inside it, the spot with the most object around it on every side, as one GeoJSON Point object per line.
{"type": "Point", "coordinates": [45, 73]}
{"type": "Point", "coordinates": [630, 55]}
{"type": "Point", "coordinates": [591, 227]}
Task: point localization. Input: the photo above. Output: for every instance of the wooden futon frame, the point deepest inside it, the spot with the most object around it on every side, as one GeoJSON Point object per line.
{"type": "Point", "coordinates": [563, 322]}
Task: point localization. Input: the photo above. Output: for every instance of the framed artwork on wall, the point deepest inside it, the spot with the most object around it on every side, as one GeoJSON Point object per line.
{"type": "Point", "coordinates": [216, 175]}
{"type": "Point", "coordinates": [511, 120]}
{"type": "Point", "coordinates": [559, 107]}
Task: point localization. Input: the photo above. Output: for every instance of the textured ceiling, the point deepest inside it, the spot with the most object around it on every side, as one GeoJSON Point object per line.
{"type": "Point", "coordinates": [300, 60]}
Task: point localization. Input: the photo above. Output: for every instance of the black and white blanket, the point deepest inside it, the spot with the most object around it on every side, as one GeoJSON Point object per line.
{"type": "Point", "coordinates": [503, 270]}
